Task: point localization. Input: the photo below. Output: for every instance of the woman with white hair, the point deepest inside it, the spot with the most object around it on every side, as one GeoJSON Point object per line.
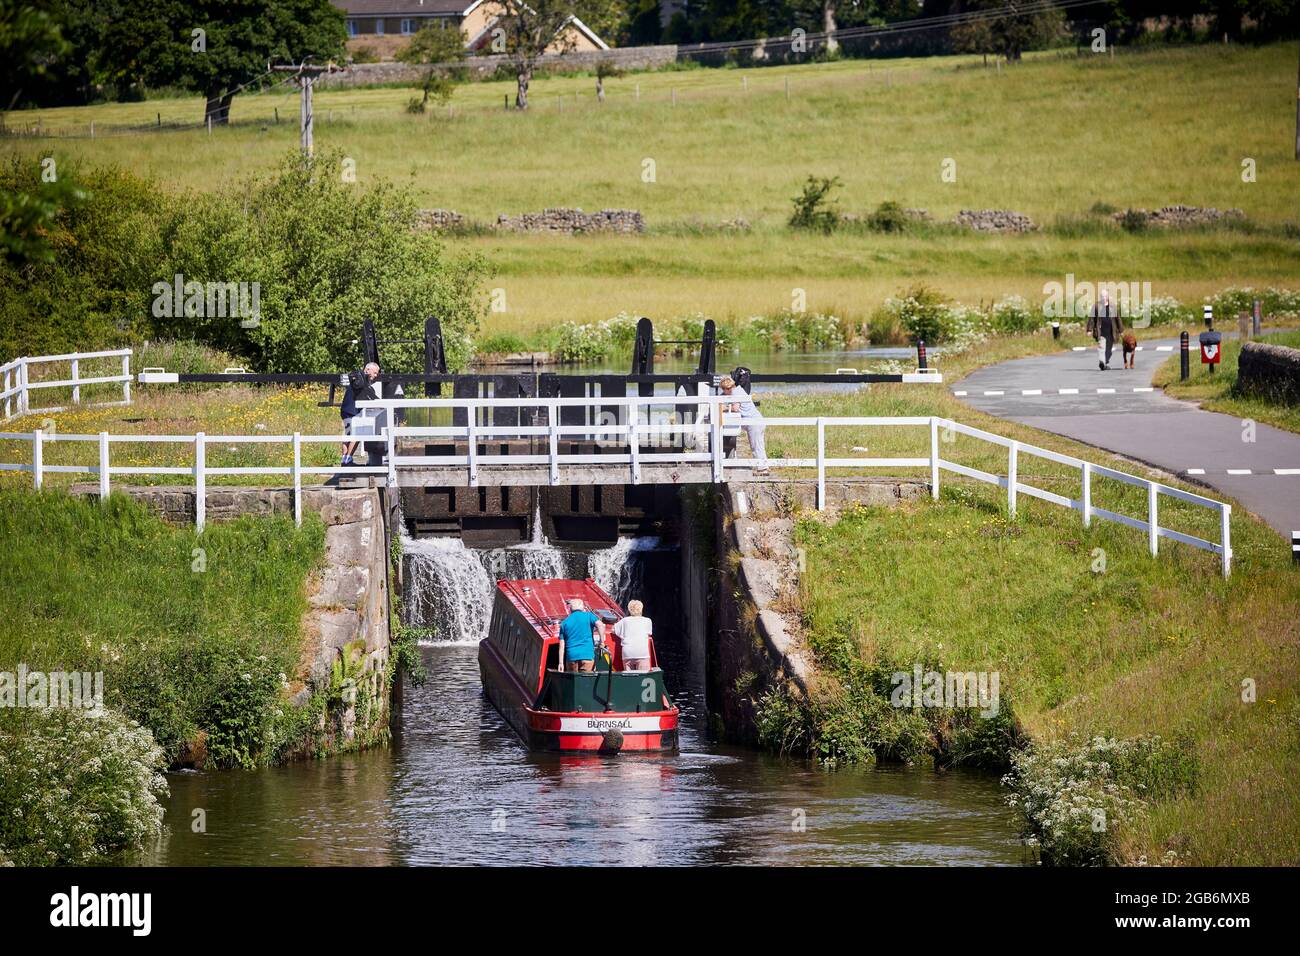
{"type": "Point", "coordinates": [751, 419]}
{"type": "Point", "coordinates": [633, 633]}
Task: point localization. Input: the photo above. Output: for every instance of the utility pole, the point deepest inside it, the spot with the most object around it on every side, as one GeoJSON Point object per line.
{"type": "Point", "coordinates": [1297, 118]}
{"type": "Point", "coordinates": [305, 75]}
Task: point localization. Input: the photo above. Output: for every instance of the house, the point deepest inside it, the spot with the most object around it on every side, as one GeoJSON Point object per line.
{"type": "Point", "coordinates": [387, 25]}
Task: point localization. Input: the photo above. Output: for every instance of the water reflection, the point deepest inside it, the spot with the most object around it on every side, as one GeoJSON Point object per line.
{"type": "Point", "coordinates": [457, 787]}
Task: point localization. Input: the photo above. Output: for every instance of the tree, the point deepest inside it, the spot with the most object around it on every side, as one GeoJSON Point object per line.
{"type": "Point", "coordinates": [442, 50]}
{"type": "Point", "coordinates": [29, 40]}
{"type": "Point", "coordinates": [217, 47]}
{"type": "Point", "coordinates": [525, 30]}
{"type": "Point", "coordinates": [605, 70]}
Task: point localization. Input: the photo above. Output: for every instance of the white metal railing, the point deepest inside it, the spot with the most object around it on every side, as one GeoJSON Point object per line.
{"type": "Point", "coordinates": [707, 447]}
{"type": "Point", "coordinates": [632, 432]}
{"type": "Point", "coordinates": [18, 386]}
{"type": "Point", "coordinates": [200, 470]}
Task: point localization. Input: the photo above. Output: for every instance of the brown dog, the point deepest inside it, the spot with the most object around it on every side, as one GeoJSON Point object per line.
{"type": "Point", "coordinates": [1130, 343]}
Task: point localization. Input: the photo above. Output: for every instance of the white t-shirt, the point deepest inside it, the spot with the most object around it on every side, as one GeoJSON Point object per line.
{"type": "Point", "coordinates": [634, 637]}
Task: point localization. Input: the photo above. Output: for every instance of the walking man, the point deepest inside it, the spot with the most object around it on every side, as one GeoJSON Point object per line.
{"type": "Point", "coordinates": [1105, 326]}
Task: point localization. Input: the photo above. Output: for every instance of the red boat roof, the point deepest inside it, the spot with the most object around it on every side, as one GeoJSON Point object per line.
{"type": "Point", "coordinates": [541, 601]}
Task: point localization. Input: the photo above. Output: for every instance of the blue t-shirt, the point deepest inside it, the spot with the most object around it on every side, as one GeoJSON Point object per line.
{"type": "Point", "coordinates": [579, 645]}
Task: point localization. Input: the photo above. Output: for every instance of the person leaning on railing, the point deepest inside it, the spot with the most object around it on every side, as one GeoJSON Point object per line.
{"type": "Point", "coordinates": [360, 389]}
{"type": "Point", "coordinates": [751, 419]}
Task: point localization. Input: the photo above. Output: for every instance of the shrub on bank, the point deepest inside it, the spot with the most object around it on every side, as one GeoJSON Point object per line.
{"type": "Point", "coordinates": [1074, 795]}
{"type": "Point", "coordinates": [76, 790]}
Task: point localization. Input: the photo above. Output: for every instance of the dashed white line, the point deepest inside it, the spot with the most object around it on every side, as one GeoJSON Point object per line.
{"type": "Point", "coordinates": [959, 394]}
{"type": "Point", "coordinates": [1105, 391]}
{"type": "Point", "coordinates": [1164, 348]}
{"type": "Point", "coordinates": [994, 393]}
{"type": "Point", "coordinates": [1286, 471]}
{"type": "Point", "coordinates": [1069, 391]}
{"type": "Point", "coordinates": [1148, 388]}
{"type": "Point", "coordinates": [1031, 391]}
{"type": "Point", "coordinates": [1196, 471]}
{"type": "Point", "coordinates": [1239, 471]}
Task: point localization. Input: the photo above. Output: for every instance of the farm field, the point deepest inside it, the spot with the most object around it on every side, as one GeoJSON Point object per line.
{"type": "Point", "coordinates": [1051, 138]}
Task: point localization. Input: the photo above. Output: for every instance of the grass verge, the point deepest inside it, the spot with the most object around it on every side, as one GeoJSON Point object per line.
{"type": "Point", "coordinates": [1214, 391]}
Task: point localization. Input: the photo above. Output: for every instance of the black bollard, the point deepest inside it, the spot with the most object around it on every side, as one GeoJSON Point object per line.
{"type": "Point", "coordinates": [920, 353]}
{"type": "Point", "coordinates": [1056, 330]}
{"type": "Point", "coordinates": [1295, 547]}
{"type": "Point", "coordinates": [1184, 346]}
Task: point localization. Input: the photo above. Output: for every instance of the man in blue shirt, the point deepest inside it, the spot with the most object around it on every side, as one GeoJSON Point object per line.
{"type": "Point", "coordinates": [580, 631]}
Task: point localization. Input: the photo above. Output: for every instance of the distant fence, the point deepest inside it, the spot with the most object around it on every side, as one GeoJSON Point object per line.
{"type": "Point", "coordinates": [18, 384]}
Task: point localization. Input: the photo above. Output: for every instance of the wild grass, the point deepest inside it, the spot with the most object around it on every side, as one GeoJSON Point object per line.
{"type": "Point", "coordinates": [188, 630]}
{"type": "Point", "coordinates": [1214, 390]}
{"type": "Point", "coordinates": [1147, 645]}
{"type": "Point", "coordinates": [1177, 125]}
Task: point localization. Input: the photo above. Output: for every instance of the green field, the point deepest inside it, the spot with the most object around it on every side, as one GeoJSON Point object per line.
{"type": "Point", "coordinates": [1049, 138]}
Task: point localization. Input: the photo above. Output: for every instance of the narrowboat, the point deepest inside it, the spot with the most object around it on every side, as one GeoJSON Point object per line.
{"type": "Point", "coordinates": [606, 710]}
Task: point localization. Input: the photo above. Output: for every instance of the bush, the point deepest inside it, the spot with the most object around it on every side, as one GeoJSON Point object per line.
{"type": "Point", "coordinates": [76, 790]}
{"type": "Point", "coordinates": [1273, 303]}
{"type": "Point", "coordinates": [813, 209]}
{"type": "Point", "coordinates": [889, 217]}
{"type": "Point", "coordinates": [1073, 795]}
{"type": "Point", "coordinates": [1012, 316]}
{"type": "Point", "coordinates": [500, 345]}
{"type": "Point", "coordinates": [805, 331]}
{"type": "Point", "coordinates": [324, 253]}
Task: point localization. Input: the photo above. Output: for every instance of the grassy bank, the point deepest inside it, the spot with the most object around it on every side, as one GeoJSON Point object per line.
{"type": "Point", "coordinates": [192, 633]}
{"type": "Point", "coordinates": [1090, 635]}
{"type": "Point", "coordinates": [1214, 391]}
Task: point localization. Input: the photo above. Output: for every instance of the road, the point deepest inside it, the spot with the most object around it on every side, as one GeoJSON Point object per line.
{"type": "Point", "coordinates": [1121, 411]}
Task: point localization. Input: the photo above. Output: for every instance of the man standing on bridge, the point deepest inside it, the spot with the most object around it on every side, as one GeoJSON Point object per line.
{"type": "Point", "coordinates": [1105, 326]}
{"type": "Point", "coordinates": [751, 419]}
{"type": "Point", "coordinates": [360, 389]}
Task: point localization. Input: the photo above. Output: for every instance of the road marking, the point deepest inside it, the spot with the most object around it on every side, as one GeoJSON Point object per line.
{"type": "Point", "coordinates": [993, 393]}
{"type": "Point", "coordinates": [959, 394]}
{"type": "Point", "coordinates": [1080, 348]}
{"type": "Point", "coordinates": [1148, 388]}
{"type": "Point", "coordinates": [1164, 348]}
{"type": "Point", "coordinates": [1239, 471]}
{"type": "Point", "coordinates": [1196, 471]}
{"type": "Point", "coordinates": [1031, 391]}
{"type": "Point", "coordinates": [1105, 391]}
{"type": "Point", "coordinates": [1286, 471]}
{"type": "Point", "coordinates": [1069, 391]}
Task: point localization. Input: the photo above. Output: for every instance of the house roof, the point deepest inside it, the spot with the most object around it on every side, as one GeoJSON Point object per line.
{"type": "Point", "coordinates": [398, 8]}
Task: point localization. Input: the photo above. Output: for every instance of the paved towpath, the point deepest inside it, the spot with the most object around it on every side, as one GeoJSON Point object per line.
{"type": "Point", "coordinates": [1122, 412]}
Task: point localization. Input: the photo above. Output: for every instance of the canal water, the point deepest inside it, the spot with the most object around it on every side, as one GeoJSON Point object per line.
{"type": "Point", "coordinates": [457, 787]}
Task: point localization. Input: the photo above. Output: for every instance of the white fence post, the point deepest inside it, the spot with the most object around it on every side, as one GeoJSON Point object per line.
{"type": "Point", "coordinates": [634, 448]}
{"type": "Point", "coordinates": [1225, 512]}
{"type": "Point", "coordinates": [8, 398]}
{"type": "Point", "coordinates": [103, 467]}
{"type": "Point", "coordinates": [392, 455]}
{"type": "Point", "coordinates": [200, 481]}
{"type": "Point", "coordinates": [934, 458]}
{"type": "Point", "coordinates": [1153, 519]}
{"type": "Point", "coordinates": [76, 377]}
{"type": "Point", "coordinates": [553, 445]}
{"type": "Point", "coordinates": [1013, 462]}
{"type": "Point", "coordinates": [297, 478]}
{"type": "Point", "coordinates": [715, 441]}
{"type": "Point", "coordinates": [24, 404]}
{"type": "Point", "coordinates": [821, 464]}
{"type": "Point", "coordinates": [126, 382]}
{"type": "Point", "coordinates": [1087, 494]}
{"type": "Point", "coordinates": [38, 458]}
{"type": "Point", "coordinates": [472, 450]}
